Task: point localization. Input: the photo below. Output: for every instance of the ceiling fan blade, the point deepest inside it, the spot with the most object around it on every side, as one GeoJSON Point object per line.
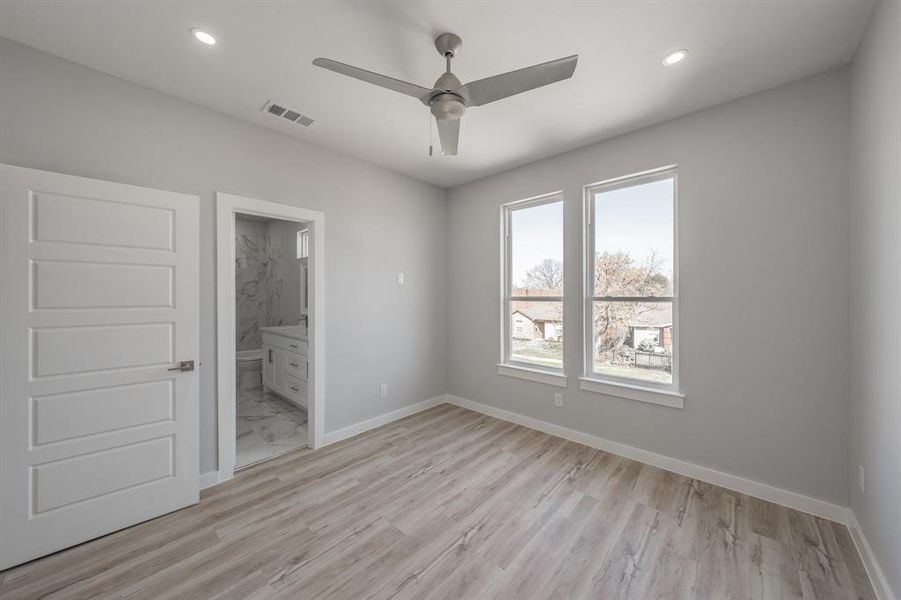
{"type": "Point", "coordinates": [509, 84]}
{"type": "Point", "coordinates": [410, 89]}
{"type": "Point", "coordinates": [449, 134]}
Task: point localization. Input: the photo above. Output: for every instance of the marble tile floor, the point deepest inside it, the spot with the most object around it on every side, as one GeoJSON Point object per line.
{"type": "Point", "coordinates": [266, 425]}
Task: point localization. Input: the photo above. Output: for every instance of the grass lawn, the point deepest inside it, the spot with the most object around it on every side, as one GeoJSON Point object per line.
{"type": "Point", "coordinates": [657, 376]}
{"type": "Point", "coordinates": [545, 353]}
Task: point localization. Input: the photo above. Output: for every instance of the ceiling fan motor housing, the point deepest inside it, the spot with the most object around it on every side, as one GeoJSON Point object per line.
{"type": "Point", "coordinates": [448, 106]}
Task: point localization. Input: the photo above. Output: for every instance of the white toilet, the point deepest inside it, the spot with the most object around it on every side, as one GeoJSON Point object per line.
{"type": "Point", "coordinates": [247, 361]}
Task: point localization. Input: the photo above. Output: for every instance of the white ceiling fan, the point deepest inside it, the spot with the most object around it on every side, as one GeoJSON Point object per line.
{"type": "Point", "coordinates": [448, 98]}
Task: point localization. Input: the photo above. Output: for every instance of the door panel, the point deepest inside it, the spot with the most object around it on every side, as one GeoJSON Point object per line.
{"type": "Point", "coordinates": [69, 480]}
{"type": "Point", "coordinates": [66, 284]}
{"type": "Point", "coordinates": [268, 364]}
{"type": "Point", "coordinates": [59, 350]}
{"type": "Point", "coordinates": [68, 416]}
{"type": "Point", "coordinates": [110, 221]}
{"type": "Point", "coordinates": [98, 299]}
{"type": "Point", "coordinates": [278, 363]}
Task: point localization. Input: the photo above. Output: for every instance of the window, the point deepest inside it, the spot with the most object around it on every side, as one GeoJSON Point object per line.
{"type": "Point", "coordinates": [631, 300]}
{"type": "Point", "coordinates": [303, 255]}
{"type": "Point", "coordinates": [532, 305]}
{"type": "Point", "coordinates": [303, 243]}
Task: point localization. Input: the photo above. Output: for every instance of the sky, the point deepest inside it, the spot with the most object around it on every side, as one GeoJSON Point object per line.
{"type": "Point", "coordinates": [537, 234]}
{"type": "Point", "coordinates": [636, 220]}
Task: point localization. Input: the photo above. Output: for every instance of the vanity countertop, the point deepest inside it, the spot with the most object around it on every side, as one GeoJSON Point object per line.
{"type": "Point", "coordinates": [295, 332]}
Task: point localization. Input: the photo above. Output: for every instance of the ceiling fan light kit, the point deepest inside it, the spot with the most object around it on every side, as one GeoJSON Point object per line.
{"type": "Point", "coordinates": [448, 98]}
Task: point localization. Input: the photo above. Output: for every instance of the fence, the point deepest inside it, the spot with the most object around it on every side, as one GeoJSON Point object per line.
{"type": "Point", "coordinates": [649, 360]}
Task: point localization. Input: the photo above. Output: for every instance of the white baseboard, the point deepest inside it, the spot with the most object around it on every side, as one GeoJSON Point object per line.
{"type": "Point", "coordinates": [870, 562]}
{"type": "Point", "coordinates": [357, 428]}
{"type": "Point", "coordinates": [209, 479]}
{"type": "Point", "coordinates": [757, 489]}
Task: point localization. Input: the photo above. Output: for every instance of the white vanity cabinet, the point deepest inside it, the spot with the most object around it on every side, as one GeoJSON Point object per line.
{"type": "Point", "coordinates": [285, 365]}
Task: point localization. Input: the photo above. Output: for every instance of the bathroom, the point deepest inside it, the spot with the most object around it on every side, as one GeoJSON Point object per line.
{"type": "Point", "coordinates": [271, 350]}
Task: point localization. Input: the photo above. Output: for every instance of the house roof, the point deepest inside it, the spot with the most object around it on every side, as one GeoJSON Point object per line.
{"type": "Point", "coordinates": [656, 315]}
{"type": "Point", "coordinates": [539, 311]}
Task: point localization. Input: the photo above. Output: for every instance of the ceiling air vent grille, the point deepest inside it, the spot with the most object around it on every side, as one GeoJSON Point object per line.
{"type": "Point", "coordinates": [287, 113]}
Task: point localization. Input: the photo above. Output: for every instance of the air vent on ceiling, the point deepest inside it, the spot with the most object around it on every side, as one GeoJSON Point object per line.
{"type": "Point", "coordinates": [287, 113]}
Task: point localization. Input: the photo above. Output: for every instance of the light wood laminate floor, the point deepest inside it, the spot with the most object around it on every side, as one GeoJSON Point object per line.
{"type": "Point", "coordinates": [450, 503]}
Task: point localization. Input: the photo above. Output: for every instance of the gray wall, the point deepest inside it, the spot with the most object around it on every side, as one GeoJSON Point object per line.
{"type": "Point", "coordinates": [764, 279]}
{"type": "Point", "coordinates": [59, 116]}
{"type": "Point", "coordinates": [875, 211]}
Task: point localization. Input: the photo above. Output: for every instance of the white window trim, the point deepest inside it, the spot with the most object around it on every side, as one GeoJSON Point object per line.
{"type": "Point", "coordinates": [303, 244]}
{"type": "Point", "coordinates": [513, 368]}
{"type": "Point", "coordinates": [555, 378]}
{"type": "Point", "coordinates": [635, 389]}
{"type": "Point", "coordinates": [633, 392]}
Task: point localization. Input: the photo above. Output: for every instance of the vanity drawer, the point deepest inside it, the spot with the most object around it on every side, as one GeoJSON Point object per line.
{"type": "Point", "coordinates": [296, 390]}
{"type": "Point", "coordinates": [296, 365]}
{"type": "Point", "coordinates": [289, 344]}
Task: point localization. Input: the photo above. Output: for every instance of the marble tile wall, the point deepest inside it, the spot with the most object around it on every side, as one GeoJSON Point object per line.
{"type": "Point", "coordinates": [259, 282]}
{"type": "Point", "coordinates": [267, 278]}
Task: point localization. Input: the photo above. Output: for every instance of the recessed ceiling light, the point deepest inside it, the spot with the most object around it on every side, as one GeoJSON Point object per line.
{"type": "Point", "coordinates": [202, 36]}
{"type": "Point", "coordinates": [676, 56]}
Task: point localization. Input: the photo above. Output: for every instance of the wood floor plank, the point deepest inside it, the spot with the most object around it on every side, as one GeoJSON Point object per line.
{"type": "Point", "coordinates": [449, 504]}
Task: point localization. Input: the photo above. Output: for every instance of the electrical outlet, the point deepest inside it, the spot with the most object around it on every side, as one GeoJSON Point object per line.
{"type": "Point", "coordinates": [558, 398]}
{"type": "Point", "coordinates": [383, 390]}
{"type": "Point", "coordinates": [400, 278]}
{"type": "Point", "coordinates": [860, 479]}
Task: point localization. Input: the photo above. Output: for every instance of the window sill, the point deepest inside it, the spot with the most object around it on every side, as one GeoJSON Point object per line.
{"type": "Point", "coordinates": [633, 392]}
{"type": "Point", "coordinates": [537, 375]}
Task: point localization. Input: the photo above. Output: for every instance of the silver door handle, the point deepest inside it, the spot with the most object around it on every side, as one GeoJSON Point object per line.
{"type": "Point", "coordinates": [183, 366]}
{"type": "Point", "coordinates": [294, 364]}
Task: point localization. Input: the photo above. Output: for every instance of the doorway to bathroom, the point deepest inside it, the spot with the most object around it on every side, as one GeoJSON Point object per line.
{"type": "Point", "coordinates": [270, 328]}
{"type": "Point", "coordinates": [271, 344]}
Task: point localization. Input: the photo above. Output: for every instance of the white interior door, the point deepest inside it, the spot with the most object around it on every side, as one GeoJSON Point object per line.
{"type": "Point", "coordinates": [98, 302]}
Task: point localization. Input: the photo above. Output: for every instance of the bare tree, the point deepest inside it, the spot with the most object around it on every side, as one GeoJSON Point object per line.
{"type": "Point", "coordinates": [617, 274]}
{"type": "Point", "coordinates": [547, 275]}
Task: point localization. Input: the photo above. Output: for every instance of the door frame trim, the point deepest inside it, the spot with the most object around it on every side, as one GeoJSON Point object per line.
{"type": "Point", "coordinates": [227, 206]}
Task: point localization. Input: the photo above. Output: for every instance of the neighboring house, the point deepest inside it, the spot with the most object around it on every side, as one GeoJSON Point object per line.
{"type": "Point", "coordinates": [652, 326]}
{"type": "Point", "coordinates": [537, 321]}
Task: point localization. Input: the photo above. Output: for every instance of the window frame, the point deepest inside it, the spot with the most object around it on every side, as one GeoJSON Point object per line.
{"type": "Point", "coordinates": [303, 243]}
{"type": "Point", "coordinates": [508, 366]}
{"type": "Point", "coordinates": [668, 394]}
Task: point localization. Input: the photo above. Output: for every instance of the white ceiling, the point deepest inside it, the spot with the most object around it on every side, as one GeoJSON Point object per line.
{"type": "Point", "coordinates": [736, 47]}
